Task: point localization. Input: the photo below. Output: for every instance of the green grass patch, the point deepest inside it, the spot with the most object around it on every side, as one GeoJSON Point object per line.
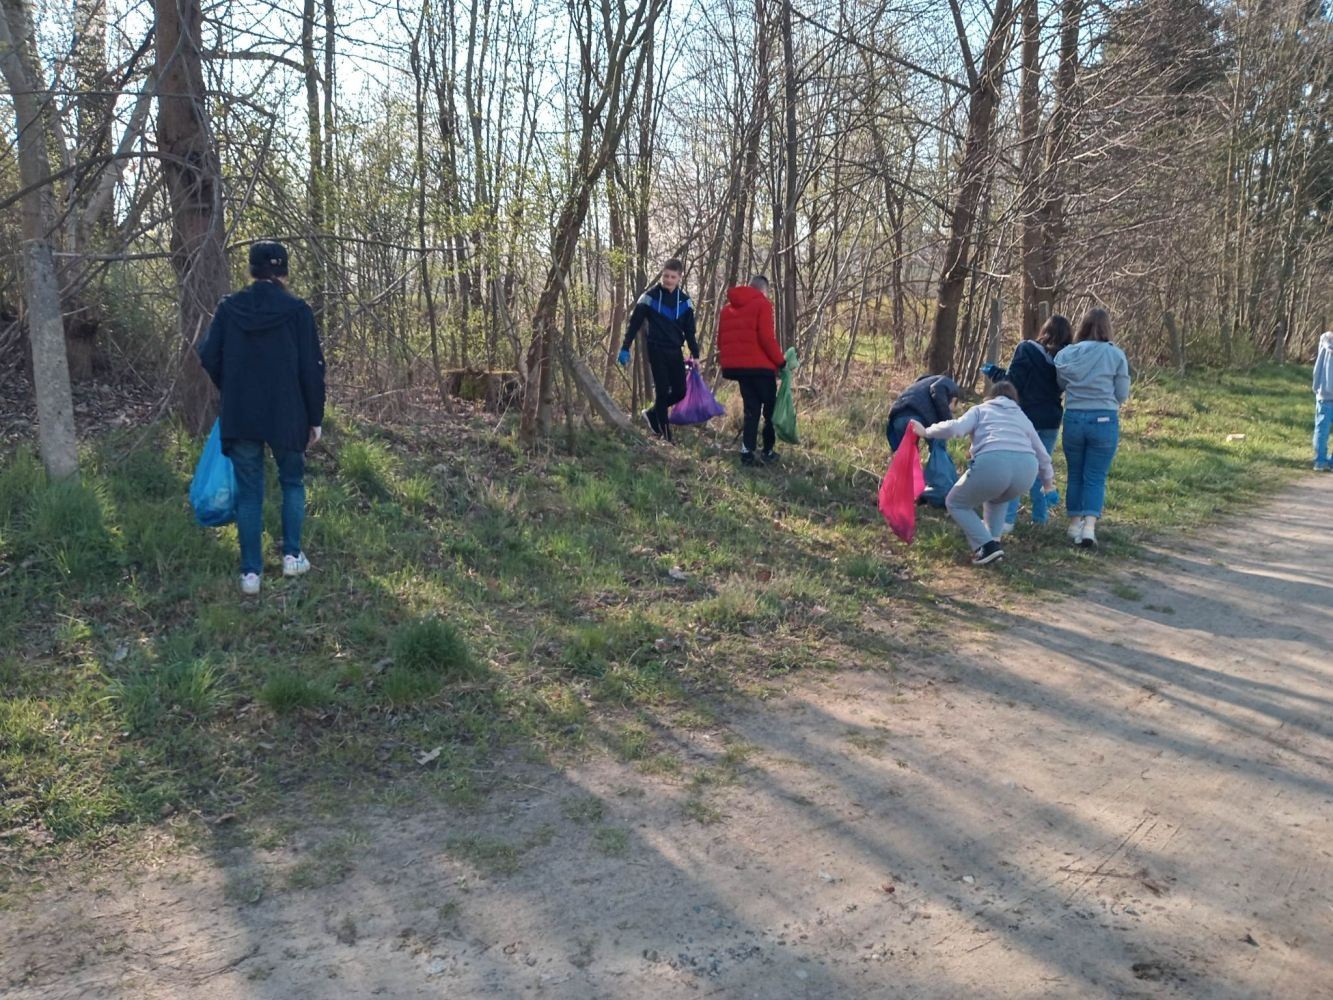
{"type": "Point", "coordinates": [288, 691]}
{"type": "Point", "coordinates": [702, 812]}
{"type": "Point", "coordinates": [433, 647]}
{"type": "Point", "coordinates": [1125, 592]}
{"type": "Point", "coordinates": [188, 689]}
{"type": "Point", "coordinates": [611, 841]}
{"type": "Point", "coordinates": [1202, 445]}
{"type": "Point", "coordinates": [496, 856]}
{"type": "Point", "coordinates": [475, 598]}
{"type": "Point", "coordinates": [583, 809]}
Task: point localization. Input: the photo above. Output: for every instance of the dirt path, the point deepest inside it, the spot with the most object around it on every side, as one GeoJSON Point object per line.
{"type": "Point", "coordinates": [1130, 797]}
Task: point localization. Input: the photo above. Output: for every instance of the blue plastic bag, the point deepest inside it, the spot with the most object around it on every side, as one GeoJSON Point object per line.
{"type": "Point", "coordinates": [213, 489]}
{"type": "Point", "coordinates": [941, 474]}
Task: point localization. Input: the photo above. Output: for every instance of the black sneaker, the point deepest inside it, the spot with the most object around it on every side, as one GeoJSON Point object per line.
{"type": "Point", "coordinates": [768, 457]}
{"type": "Point", "coordinates": [747, 458]}
{"type": "Point", "coordinates": [653, 423]}
{"type": "Point", "coordinates": [988, 553]}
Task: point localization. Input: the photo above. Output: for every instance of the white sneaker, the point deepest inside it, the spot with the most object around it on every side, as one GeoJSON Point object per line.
{"type": "Point", "coordinates": [1088, 537]}
{"type": "Point", "coordinates": [295, 565]}
{"type": "Point", "coordinates": [250, 584]}
{"type": "Point", "coordinates": [1076, 529]}
{"type": "Point", "coordinates": [1008, 529]}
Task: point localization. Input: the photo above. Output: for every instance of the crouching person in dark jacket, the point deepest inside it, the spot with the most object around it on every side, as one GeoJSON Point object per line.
{"type": "Point", "coordinates": [263, 354]}
{"type": "Point", "coordinates": [930, 399]}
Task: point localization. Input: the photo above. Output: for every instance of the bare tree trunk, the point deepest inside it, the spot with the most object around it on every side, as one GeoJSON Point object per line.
{"type": "Point", "coordinates": [619, 258]}
{"type": "Point", "coordinates": [193, 177]}
{"type": "Point", "coordinates": [420, 75]}
{"type": "Point", "coordinates": [93, 112]}
{"type": "Point", "coordinates": [1050, 221]}
{"type": "Point", "coordinates": [94, 108]}
{"type": "Point", "coordinates": [1177, 342]}
{"type": "Point", "coordinates": [605, 107]}
{"type": "Point", "coordinates": [985, 98]}
{"type": "Point", "coordinates": [787, 247]}
{"type": "Point", "coordinates": [316, 185]}
{"type": "Point", "coordinates": [1030, 168]}
{"type": "Point", "coordinates": [643, 173]}
{"type": "Point", "coordinates": [754, 133]}
{"type": "Point", "coordinates": [46, 332]}
{"type": "Point", "coordinates": [993, 332]}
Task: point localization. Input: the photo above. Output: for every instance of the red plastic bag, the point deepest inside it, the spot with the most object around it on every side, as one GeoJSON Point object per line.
{"type": "Point", "coordinates": [902, 484]}
{"type": "Point", "coordinates": [699, 405]}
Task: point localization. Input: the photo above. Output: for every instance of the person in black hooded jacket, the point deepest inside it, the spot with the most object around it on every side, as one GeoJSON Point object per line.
{"type": "Point", "coordinates": [263, 354]}
{"type": "Point", "coordinates": [669, 315]}
{"type": "Point", "coordinates": [931, 399]}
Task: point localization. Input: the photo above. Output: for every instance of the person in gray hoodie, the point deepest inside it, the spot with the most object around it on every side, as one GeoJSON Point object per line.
{"type": "Point", "coordinates": [1007, 455]}
{"type": "Point", "coordinates": [1323, 402]}
{"type": "Point", "coordinates": [1094, 374]}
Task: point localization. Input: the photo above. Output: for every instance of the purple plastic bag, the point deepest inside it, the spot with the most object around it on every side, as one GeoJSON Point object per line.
{"type": "Point", "coordinates": [698, 406]}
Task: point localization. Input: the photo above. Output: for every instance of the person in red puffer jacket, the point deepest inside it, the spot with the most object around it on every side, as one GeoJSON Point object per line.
{"type": "Point", "coordinates": [751, 358]}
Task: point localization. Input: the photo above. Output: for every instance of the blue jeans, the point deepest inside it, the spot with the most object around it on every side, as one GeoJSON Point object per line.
{"type": "Point", "coordinates": [1323, 421]}
{"type": "Point", "coordinates": [247, 458]}
{"type": "Point", "coordinates": [1040, 512]}
{"type": "Point", "coordinates": [1091, 439]}
{"type": "Point", "coordinates": [896, 430]}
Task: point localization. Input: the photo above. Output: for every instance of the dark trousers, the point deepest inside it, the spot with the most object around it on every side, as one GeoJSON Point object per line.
{"type": "Point", "coordinates": [668, 367]}
{"type": "Point", "coordinates": [759, 391]}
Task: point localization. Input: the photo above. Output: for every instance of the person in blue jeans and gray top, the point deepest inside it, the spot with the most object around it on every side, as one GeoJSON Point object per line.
{"type": "Point", "coordinates": [1032, 373]}
{"type": "Point", "coordinates": [1007, 455]}
{"type": "Point", "coordinates": [670, 317]}
{"type": "Point", "coordinates": [263, 354]}
{"type": "Point", "coordinates": [1323, 402]}
{"type": "Point", "coordinates": [1094, 374]}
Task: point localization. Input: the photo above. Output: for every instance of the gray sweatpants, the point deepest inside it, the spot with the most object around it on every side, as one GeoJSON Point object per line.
{"type": "Point", "coordinates": [990, 482]}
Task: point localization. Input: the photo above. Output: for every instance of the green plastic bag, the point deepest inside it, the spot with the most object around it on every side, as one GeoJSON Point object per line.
{"type": "Point", "coordinates": [784, 410]}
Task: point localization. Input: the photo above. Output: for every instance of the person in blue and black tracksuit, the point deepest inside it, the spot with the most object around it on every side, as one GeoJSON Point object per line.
{"type": "Point", "coordinates": [670, 317]}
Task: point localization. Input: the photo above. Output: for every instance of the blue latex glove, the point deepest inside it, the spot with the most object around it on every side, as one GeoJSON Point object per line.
{"type": "Point", "coordinates": [623, 357]}
{"type": "Point", "coordinates": [1053, 498]}
{"type": "Point", "coordinates": [991, 371]}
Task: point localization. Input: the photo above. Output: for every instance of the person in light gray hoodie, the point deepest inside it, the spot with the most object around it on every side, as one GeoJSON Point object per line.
{"type": "Point", "coordinates": [1094, 374]}
{"type": "Point", "coordinates": [1323, 402]}
{"type": "Point", "coordinates": [1007, 455]}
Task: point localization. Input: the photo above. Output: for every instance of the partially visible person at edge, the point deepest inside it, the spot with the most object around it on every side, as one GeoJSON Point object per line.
{"type": "Point", "coordinates": [1323, 402]}
{"type": "Point", "coordinates": [1031, 371]}
{"type": "Point", "coordinates": [931, 399]}
{"type": "Point", "coordinates": [749, 354]}
{"type": "Point", "coordinates": [263, 354]}
{"type": "Point", "coordinates": [670, 317]}
{"type": "Point", "coordinates": [1007, 455]}
{"type": "Point", "coordinates": [1094, 374]}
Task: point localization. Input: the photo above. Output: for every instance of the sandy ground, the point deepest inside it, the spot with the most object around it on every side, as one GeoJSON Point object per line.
{"type": "Point", "coordinates": [1121, 796]}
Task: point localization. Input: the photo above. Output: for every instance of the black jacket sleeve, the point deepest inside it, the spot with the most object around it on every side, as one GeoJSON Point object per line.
{"type": "Point", "coordinates": [310, 360]}
{"type": "Point", "coordinates": [210, 351]}
{"type": "Point", "coordinates": [687, 327]}
{"type": "Point", "coordinates": [636, 320]}
{"type": "Point", "coordinates": [1020, 368]}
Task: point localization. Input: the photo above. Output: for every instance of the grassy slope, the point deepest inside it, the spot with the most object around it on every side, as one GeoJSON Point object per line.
{"type": "Point", "coordinates": [469, 598]}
